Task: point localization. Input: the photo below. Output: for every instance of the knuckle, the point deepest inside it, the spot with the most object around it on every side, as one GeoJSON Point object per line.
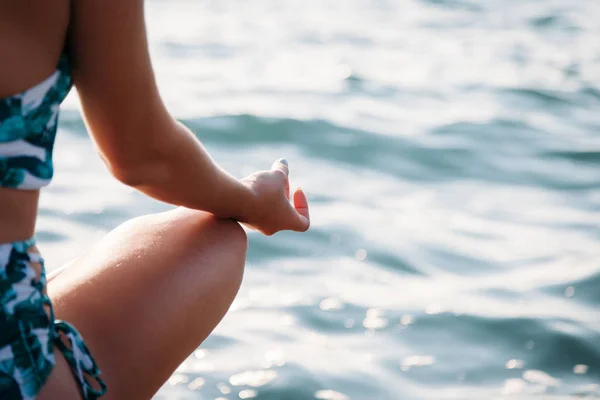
{"type": "Point", "coordinates": [303, 228]}
{"type": "Point", "coordinates": [280, 175]}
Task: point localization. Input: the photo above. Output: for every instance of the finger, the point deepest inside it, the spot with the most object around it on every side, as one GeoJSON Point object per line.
{"type": "Point", "coordinates": [282, 165]}
{"type": "Point", "coordinates": [301, 207]}
{"type": "Point", "coordinates": [287, 189]}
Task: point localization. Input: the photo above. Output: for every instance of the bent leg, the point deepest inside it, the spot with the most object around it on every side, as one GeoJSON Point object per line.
{"type": "Point", "coordinates": [149, 293]}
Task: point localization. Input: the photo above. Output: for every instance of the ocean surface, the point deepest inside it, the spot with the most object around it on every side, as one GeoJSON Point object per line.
{"type": "Point", "coordinates": [450, 150]}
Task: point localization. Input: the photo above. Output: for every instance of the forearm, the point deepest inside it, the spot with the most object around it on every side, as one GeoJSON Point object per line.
{"type": "Point", "coordinates": [140, 142]}
{"type": "Point", "coordinates": [182, 173]}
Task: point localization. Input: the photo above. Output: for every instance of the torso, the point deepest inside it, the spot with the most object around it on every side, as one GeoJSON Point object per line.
{"type": "Point", "coordinates": [32, 38]}
{"type": "Point", "coordinates": [18, 211]}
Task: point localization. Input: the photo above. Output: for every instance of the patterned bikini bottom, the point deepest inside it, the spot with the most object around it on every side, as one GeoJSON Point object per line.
{"type": "Point", "coordinates": [29, 332]}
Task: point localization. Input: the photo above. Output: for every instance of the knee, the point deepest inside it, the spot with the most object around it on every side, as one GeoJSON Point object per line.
{"type": "Point", "coordinates": [189, 234]}
{"type": "Point", "coordinates": [227, 232]}
{"type": "Point", "coordinates": [222, 236]}
{"type": "Point", "coordinates": [198, 226]}
{"type": "Point", "coordinates": [215, 248]}
{"type": "Point", "coordinates": [238, 236]}
{"type": "Point", "coordinates": [226, 243]}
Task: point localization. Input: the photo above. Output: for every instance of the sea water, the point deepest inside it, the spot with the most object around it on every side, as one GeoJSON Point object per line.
{"type": "Point", "coordinates": [450, 150]}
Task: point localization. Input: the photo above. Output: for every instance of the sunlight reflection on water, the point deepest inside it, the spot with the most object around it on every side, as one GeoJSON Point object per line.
{"type": "Point", "coordinates": [450, 152]}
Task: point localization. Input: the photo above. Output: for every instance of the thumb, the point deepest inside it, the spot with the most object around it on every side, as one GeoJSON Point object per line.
{"type": "Point", "coordinates": [283, 166]}
{"type": "Point", "coordinates": [301, 206]}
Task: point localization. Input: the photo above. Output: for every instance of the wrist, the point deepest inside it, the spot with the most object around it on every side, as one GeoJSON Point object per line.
{"type": "Point", "coordinates": [236, 200]}
{"type": "Point", "coordinates": [247, 205]}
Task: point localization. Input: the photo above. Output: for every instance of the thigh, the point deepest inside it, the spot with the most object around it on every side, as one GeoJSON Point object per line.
{"type": "Point", "coordinates": [149, 293]}
{"type": "Point", "coordinates": [61, 384]}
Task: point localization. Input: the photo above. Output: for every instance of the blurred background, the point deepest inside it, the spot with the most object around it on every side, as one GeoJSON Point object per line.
{"type": "Point", "coordinates": [451, 153]}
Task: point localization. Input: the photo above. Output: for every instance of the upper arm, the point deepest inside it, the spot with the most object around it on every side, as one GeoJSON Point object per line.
{"type": "Point", "coordinates": [113, 75]}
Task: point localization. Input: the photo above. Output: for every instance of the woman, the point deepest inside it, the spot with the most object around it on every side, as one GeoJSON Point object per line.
{"type": "Point", "coordinates": [149, 293]}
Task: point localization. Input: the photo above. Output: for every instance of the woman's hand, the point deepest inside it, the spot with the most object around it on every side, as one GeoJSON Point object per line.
{"type": "Point", "coordinates": [271, 210]}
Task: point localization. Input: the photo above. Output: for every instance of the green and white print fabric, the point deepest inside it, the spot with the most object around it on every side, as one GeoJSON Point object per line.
{"type": "Point", "coordinates": [26, 356]}
{"type": "Point", "coordinates": [28, 330]}
{"type": "Point", "coordinates": [28, 122]}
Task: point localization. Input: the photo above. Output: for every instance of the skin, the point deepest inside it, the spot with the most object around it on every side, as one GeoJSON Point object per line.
{"type": "Point", "coordinates": [184, 265]}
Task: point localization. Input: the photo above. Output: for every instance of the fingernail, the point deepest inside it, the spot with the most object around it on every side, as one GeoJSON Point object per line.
{"type": "Point", "coordinates": [298, 189]}
{"type": "Point", "coordinates": [283, 161]}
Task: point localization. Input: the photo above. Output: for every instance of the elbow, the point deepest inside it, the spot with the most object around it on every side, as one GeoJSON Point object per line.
{"type": "Point", "coordinates": [137, 171]}
{"type": "Point", "coordinates": [142, 161]}
{"type": "Point", "coordinates": [126, 174]}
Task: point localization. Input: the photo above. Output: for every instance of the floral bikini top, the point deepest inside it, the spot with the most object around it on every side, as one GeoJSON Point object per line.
{"type": "Point", "coordinates": [27, 130]}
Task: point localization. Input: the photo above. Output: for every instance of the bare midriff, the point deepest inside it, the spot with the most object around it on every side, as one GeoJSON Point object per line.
{"type": "Point", "coordinates": [18, 212]}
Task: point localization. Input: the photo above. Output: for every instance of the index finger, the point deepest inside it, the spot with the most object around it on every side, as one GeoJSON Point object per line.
{"type": "Point", "coordinates": [301, 207]}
